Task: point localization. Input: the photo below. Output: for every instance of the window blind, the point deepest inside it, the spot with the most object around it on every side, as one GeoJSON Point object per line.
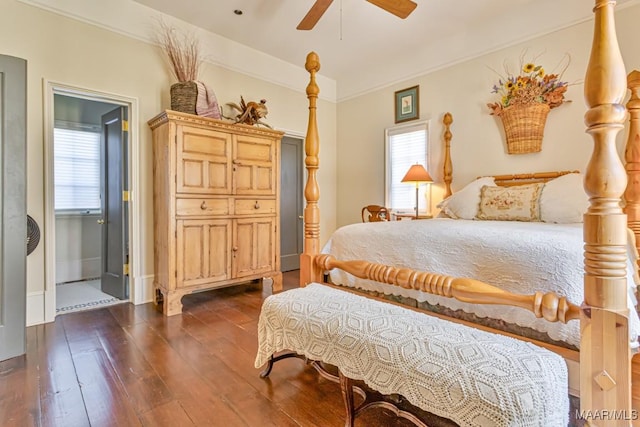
{"type": "Point", "coordinates": [77, 170]}
{"type": "Point", "coordinates": [406, 146]}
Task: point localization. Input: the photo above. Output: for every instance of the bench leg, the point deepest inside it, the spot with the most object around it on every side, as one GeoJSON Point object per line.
{"type": "Point", "coordinates": [273, 359]}
{"type": "Point", "coordinates": [346, 386]}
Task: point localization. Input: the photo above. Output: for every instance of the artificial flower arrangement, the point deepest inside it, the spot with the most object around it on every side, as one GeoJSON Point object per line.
{"type": "Point", "coordinates": [533, 85]}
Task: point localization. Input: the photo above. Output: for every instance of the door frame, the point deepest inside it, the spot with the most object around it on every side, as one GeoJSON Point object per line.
{"type": "Point", "coordinates": [50, 89]}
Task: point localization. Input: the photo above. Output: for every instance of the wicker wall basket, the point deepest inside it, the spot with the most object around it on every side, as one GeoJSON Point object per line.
{"type": "Point", "coordinates": [184, 96]}
{"type": "Point", "coordinates": [524, 127]}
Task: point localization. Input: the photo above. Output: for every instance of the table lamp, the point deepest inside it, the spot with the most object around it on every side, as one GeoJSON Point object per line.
{"type": "Point", "coordinates": [418, 174]}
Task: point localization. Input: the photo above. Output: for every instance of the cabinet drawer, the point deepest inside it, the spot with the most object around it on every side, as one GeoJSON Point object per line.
{"type": "Point", "coordinates": [203, 206]}
{"type": "Point", "coordinates": [255, 206]}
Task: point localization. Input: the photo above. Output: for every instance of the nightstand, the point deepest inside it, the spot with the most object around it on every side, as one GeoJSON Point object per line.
{"type": "Point", "coordinates": [400, 217]}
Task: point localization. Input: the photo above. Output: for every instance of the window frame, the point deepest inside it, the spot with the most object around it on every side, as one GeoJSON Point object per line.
{"type": "Point", "coordinates": [425, 207]}
{"type": "Point", "coordinates": [79, 127]}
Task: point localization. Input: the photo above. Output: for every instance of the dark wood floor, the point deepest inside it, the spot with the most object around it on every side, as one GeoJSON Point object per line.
{"type": "Point", "coordinates": [128, 365]}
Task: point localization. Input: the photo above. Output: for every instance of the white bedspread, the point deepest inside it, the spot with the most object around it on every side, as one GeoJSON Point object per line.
{"type": "Point", "coordinates": [521, 257]}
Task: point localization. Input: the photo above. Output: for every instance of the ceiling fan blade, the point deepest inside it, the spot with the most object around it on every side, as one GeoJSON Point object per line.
{"type": "Point", "coordinates": [400, 8]}
{"type": "Point", "coordinates": [315, 13]}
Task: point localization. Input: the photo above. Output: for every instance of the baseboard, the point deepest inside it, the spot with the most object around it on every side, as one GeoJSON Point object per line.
{"type": "Point", "coordinates": [143, 291]}
{"type": "Point", "coordinates": [35, 308]}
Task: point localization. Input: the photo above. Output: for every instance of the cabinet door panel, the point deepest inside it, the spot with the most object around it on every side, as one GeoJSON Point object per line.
{"type": "Point", "coordinates": [265, 244]}
{"type": "Point", "coordinates": [203, 161]}
{"type": "Point", "coordinates": [254, 246]}
{"type": "Point", "coordinates": [203, 251]}
{"type": "Point", "coordinates": [243, 249]}
{"type": "Point", "coordinates": [254, 165]}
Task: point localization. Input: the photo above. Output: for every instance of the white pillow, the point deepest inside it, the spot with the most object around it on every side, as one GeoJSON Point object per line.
{"type": "Point", "coordinates": [563, 199]}
{"type": "Point", "coordinates": [464, 204]}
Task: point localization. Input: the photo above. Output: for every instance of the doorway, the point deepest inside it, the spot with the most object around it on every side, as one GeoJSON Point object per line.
{"type": "Point", "coordinates": [291, 202]}
{"type": "Point", "coordinates": [88, 208]}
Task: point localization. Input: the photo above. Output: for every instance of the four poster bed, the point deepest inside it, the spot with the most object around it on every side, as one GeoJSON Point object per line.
{"type": "Point", "coordinates": [604, 361]}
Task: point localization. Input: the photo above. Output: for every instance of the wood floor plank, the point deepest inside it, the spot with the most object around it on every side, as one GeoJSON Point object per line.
{"type": "Point", "coordinates": [200, 400]}
{"type": "Point", "coordinates": [62, 400]}
{"type": "Point", "coordinates": [129, 365]}
{"type": "Point", "coordinates": [105, 398]}
{"type": "Point", "coordinates": [17, 405]}
{"type": "Point", "coordinates": [170, 414]}
{"type": "Point", "coordinates": [19, 397]}
{"type": "Point", "coordinates": [145, 389]}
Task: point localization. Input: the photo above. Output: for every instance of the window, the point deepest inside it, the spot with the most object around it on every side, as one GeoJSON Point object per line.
{"type": "Point", "coordinates": [405, 146]}
{"type": "Point", "coordinates": [77, 170]}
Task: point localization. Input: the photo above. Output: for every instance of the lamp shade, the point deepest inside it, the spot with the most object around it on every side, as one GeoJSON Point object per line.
{"type": "Point", "coordinates": [417, 173]}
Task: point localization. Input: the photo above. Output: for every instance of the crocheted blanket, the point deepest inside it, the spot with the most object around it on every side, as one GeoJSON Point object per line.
{"type": "Point", "coordinates": [472, 377]}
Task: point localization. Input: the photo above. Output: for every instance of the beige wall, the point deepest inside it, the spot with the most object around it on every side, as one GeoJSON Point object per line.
{"type": "Point", "coordinates": [478, 146]}
{"type": "Point", "coordinates": [68, 51]}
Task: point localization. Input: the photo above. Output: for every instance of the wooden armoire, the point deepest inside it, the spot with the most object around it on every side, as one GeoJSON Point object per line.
{"type": "Point", "coordinates": [216, 197]}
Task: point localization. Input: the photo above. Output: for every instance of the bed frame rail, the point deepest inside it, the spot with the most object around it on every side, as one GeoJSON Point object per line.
{"type": "Point", "coordinates": [549, 306]}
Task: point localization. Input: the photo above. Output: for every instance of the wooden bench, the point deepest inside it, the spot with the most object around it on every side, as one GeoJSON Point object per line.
{"type": "Point", "coordinates": [468, 376]}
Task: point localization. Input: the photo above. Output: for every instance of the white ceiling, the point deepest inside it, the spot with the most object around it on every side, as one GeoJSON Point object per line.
{"type": "Point", "coordinates": [363, 47]}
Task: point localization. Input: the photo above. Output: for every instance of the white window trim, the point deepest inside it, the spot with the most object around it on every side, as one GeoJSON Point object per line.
{"type": "Point", "coordinates": [425, 124]}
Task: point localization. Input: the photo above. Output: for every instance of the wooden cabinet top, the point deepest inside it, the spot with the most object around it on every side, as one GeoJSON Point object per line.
{"type": "Point", "coordinates": [225, 125]}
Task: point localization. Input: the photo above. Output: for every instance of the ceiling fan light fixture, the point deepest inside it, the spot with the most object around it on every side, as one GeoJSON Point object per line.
{"type": "Point", "coordinates": [238, 12]}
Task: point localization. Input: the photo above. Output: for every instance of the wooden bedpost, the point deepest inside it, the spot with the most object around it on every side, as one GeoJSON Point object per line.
{"type": "Point", "coordinates": [448, 168]}
{"type": "Point", "coordinates": [632, 157]}
{"type": "Point", "coordinates": [308, 272]}
{"type": "Point", "coordinates": [605, 356]}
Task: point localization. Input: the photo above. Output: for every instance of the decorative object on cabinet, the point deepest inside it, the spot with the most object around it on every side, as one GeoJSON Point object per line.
{"type": "Point", "coordinates": [407, 105]}
{"type": "Point", "coordinates": [189, 95]}
{"type": "Point", "coordinates": [250, 113]}
{"type": "Point", "coordinates": [417, 174]}
{"type": "Point", "coordinates": [216, 205]}
{"type": "Point", "coordinates": [525, 101]}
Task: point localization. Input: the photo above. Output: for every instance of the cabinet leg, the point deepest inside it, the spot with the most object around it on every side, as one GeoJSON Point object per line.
{"type": "Point", "coordinates": [277, 283]}
{"type": "Point", "coordinates": [172, 303]}
{"type": "Point", "coordinates": [159, 297]}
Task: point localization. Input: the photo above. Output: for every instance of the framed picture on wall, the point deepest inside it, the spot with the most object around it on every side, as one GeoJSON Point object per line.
{"type": "Point", "coordinates": [407, 104]}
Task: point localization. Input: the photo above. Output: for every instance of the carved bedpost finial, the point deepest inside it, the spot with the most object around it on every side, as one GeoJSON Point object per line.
{"type": "Point", "coordinates": [308, 272]}
{"type": "Point", "coordinates": [312, 65]}
{"type": "Point", "coordinates": [448, 167]}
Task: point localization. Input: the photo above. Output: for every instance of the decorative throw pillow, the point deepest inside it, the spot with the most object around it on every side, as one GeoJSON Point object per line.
{"type": "Point", "coordinates": [517, 203]}
{"type": "Point", "coordinates": [563, 199]}
{"type": "Point", "coordinates": [463, 204]}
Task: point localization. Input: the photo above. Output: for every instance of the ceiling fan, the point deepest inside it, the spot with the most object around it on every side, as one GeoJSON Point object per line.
{"type": "Point", "coordinates": [400, 8]}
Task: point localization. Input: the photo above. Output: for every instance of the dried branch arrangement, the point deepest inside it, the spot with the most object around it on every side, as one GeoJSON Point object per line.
{"type": "Point", "coordinates": [183, 52]}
